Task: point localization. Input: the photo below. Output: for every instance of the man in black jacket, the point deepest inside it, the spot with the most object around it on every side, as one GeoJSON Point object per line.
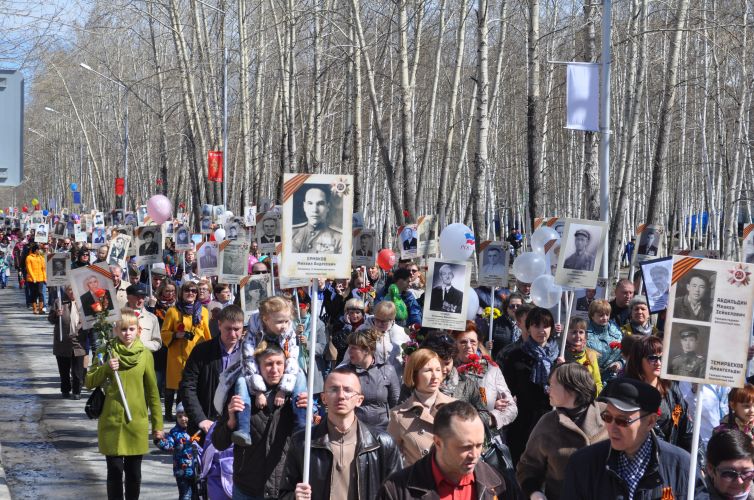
{"type": "Point", "coordinates": [454, 467]}
{"type": "Point", "coordinates": [633, 463]}
{"type": "Point", "coordinates": [204, 366]}
{"type": "Point", "coordinates": [259, 468]}
{"type": "Point", "coordinates": [349, 459]}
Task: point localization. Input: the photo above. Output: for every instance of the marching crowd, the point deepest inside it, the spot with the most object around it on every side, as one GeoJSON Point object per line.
{"type": "Point", "coordinates": [400, 411]}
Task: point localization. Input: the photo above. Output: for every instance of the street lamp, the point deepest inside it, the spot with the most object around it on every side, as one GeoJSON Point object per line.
{"type": "Point", "coordinates": [125, 139]}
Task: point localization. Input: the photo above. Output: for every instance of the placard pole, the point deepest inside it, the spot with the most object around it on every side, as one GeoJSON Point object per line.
{"type": "Point", "coordinates": [695, 442]}
{"type": "Point", "coordinates": [310, 386]}
{"type": "Point", "coordinates": [569, 297]}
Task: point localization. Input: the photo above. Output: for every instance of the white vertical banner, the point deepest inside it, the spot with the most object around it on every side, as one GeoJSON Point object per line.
{"type": "Point", "coordinates": [583, 97]}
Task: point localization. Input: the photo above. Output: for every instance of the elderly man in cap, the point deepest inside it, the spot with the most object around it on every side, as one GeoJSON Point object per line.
{"type": "Point", "coordinates": [634, 463]}
{"type": "Point", "coordinates": [688, 364]}
{"type": "Point", "coordinates": [149, 326]}
{"type": "Point", "coordinates": [580, 259]}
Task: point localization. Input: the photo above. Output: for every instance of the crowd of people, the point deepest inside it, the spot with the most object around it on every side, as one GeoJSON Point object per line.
{"type": "Point", "coordinates": [400, 411]}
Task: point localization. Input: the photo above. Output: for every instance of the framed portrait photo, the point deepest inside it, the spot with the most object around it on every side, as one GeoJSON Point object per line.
{"type": "Point", "coordinates": [656, 275]}
{"type": "Point", "coordinates": [317, 232]}
{"type": "Point", "coordinates": [445, 297]}
{"type": "Point", "coordinates": [580, 253]}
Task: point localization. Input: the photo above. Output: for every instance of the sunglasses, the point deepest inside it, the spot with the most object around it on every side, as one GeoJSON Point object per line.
{"type": "Point", "coordinates": [514, 306]}
{"type": "Point", "coordinates": [259, 272]}
{"type": "Point", "coordinates": [654, 358]}
{"type": "Point", "coordinates": [620, 421]}
{"type": "Point", "coordinates": [191, 290]}
{"type": "Point", "coordinates": [734, 475]}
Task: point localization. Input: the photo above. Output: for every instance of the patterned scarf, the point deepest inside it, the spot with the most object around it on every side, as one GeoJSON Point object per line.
{"type": "Point", "coordinates": [194, 310]}
{"type": "Point", "coordinates": [543, 357]}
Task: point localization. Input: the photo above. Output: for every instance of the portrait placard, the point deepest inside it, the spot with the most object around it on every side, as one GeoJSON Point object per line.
{"type": "Point", "coordinates": [364, 247]}
{"type": "Point", "coordinates": [81, 237]}
{"type": "Point", "coordinates": [427, 235]}
{"type": "Point", "coordinates": [99, 219]}
{"type": "Point", "coordinates": [99, 237]}
{"type": "Point", "coordinates": [41, 233]}
{"type": "Point", "coordinates": [493, 271]}
{"type": "Point", "coordinates": [235, 230]}
{"type": "Point", "coordinates": [656, 275]}
{"type": "Point", "coordinates": [118, 251]}
{"type": "Point", "coordinates": [268, 231]}
{"type": "Point", "coordinates": [256, 288]}
{"type": "Point", "coordinates": [581, 253]}
{"type": "Point", "coordinates": [205, 225]}
{"type": "Point", "coordinates": [650, 238]}
{"type": "Point", "coordinates": [59, 230]}
{"type": "Point", "coordinates": [207, 257]}
{"type": "Point", "coordinates": [168, 228]}
{"type": "Point", "coordinates": [317, 231]}
{"type": "Point", "coordinates": [149, 245]}
{"type": "Point", "coordinates": [233, 261]}
{"type": "Point", "coordinates": [408, 241]}
{"type": "Point", "coordinates": [748, 244]}
{"type": "Point", "coordinates": [142, 216]}
{"type": "Point", "coordinates": [58, 269]}
{"type": "Point", "coordinates": [94, 292]}
{"type": "Point", "coordinates": [183, 238]}
{"type": "Point", "coordinates": [708, 322]}
{"type": "Point", "coordinates": [445, 298]}
{"type": "Point", "coordinates": [250, 216]}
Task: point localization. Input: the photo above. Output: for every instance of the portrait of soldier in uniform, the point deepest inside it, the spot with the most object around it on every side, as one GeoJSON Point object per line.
{"type": "Point", "coordinates": [581, 259]}
{"type": "Point", "coordinates": [689, 363]}
{"type": "Point", "coordinates": [316, 235]}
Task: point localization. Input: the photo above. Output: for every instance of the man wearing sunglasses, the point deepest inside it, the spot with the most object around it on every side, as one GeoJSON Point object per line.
{"type": "Point", "coordinates": [634, 463]}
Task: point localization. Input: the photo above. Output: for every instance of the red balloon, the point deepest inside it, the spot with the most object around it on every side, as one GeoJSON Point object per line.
{"type": "Point", "coordinates": [386, 259]}
{"type": "Point", "coordinates": [24, 209]}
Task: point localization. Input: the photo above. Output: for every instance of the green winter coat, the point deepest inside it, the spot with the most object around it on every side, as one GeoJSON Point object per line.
{"type": "Point", "coordinates": [115, 436]}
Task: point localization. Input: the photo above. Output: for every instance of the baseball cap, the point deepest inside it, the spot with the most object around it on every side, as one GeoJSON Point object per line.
{"type": "Point", "coordinates": [159, 269]}
{"type": "Point", "coordinates": [138, 289]}
{"type": "Point", "coordinates": [630, 395]}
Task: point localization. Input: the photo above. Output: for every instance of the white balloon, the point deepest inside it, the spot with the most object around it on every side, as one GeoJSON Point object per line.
{"type": "Point", "coordinates": [219, 234]}
{"type": "Point", "coordinates": [544, 292]}
{"type": "Point", "coordinates": [541, 236]}
{"type": "Point", "coordinates": [529, 266]}
{"type": "Point", "coordinates": [473, 305]}
{"type": "Point", "coordinates": [457, 242]}
{"type": "Point", "coordinates": [228, 214]}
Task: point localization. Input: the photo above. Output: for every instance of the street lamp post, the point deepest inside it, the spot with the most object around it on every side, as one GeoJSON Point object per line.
{"type": "Point", "coordinates": [125, 138]}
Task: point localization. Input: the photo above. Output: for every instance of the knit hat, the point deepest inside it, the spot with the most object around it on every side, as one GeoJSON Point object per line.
{"type": "Point", "coordinates": [179, 408]}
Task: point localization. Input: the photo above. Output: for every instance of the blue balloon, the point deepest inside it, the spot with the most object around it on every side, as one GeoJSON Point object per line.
{"type": "Point", "coordinates": [74, 186]}
{"type": "Point", "coordinates": [45, 213]}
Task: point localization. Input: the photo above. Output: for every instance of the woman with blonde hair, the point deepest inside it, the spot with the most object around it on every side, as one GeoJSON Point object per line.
{"type": "Point", "coordinates": [411, 423]}
{"type": "Point", "coordinates": [604, 337]}
{"type": "Point", "coordinates": [125, 442]}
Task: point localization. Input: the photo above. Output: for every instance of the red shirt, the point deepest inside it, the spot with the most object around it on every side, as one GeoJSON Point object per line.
{"type": "Point", "coordinates": [448, 490]}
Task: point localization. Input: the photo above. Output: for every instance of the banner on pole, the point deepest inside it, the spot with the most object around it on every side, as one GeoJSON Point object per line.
{"type": "Point", "coordinates": [215, 166]}
{"type": "Point", "coordinates": [77, 198]}
{"type": "Point", "coordinates": [120, 186]}
{"type": "Point", "coordinates": [582, 102]}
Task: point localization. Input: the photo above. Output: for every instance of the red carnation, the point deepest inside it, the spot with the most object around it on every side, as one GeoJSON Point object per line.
{"type": "Point", "coordinates": [615, 345]}
{"type": "Point", "coordinates": [405, 213]}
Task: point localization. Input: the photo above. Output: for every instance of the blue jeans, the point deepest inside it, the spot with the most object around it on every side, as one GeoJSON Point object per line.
{"type": "Point", "coordinates": [185, 488]}
{"type": "Point", "coordinates": [3, 278]}
{"type": "Point", "coordinates": [240, 495]}
{"type": "Point", "coordinates": [244, 416]}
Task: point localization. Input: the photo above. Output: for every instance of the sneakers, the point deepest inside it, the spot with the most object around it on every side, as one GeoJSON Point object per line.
{"type": "Point", "coordinates": [241, 438]}
{"type": "Point", "coordinates": [76, 397]}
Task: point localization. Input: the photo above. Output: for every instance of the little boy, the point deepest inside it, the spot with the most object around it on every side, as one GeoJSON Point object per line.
{"type": "Point", "coordinates": [186, 454]}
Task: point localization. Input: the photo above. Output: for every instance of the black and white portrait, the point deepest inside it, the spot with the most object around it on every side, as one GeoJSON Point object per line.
{"type": "Point", "coordinates": [257, 289]}
{"type": "Point", "coordinates": [233, 261]}
{"type": "Point", "coordinates": [147, 243]}
{"type": "Point", "coordinates": [317, 221]}
{"type": "Point", "coordinates": [579, 254]}
{"type": "Point", "coordinates": [268, 232]}
{"type": "Point", "coordinates": [131, 219]}
{"type": "Point", "coordinates": [183, 238]}
{"type": "Point", "coordinates": [205, 225]}
{"type": "Point", "coordinates": [687, 355]}
{"type": "Point", "coordinates": [208, 257]}
{"type": "Point", "coordinates": [364, 245]}
{"type": "Point", "coordinates": [99, 220]}
{"type": "Point", "coordinates": [493, 261]}
{"type": "Point", "coordinates": [119, 217]}
{"type": "Point", "coordinates": [218, 213]}
{"type": "Point", "coordinates": [58, 230]}
{"type": "Point", "coordinates": [250, 216]}
{"type": "Point", "coordinates": [207, 210]}
{"type": "Point", "coordinates": [41, 233]}
{"type": "Point", "coordinates": [408, 238]}
{"type": "Point", "coordinates": [694, 297]}
{"type": "Point", "coordinates": [649, 243]}
{"type": "Point", "coordinates": [656, 275]}
{"type": "Point", "coordinates": [234, 232]}
{"type": "Point", "coordinates": [58, 268]}
{"type": "Point", "coordinates": [582, 257]}
{"type": "Point", "coordinates": [447, 288]}
{"type": "Point", "coordinates": [118, 250]}
{"type": "Point", "coordinates": [141, 215]}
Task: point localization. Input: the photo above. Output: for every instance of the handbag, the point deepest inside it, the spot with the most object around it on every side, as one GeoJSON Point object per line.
{"type": "Point", "coordinates": [95, 403]}
{"type": "Point", "coordinates": [498, 456]}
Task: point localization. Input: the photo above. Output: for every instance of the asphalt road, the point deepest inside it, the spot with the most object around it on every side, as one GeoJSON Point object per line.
{"type": "Point", "coordinates": [49, 446]}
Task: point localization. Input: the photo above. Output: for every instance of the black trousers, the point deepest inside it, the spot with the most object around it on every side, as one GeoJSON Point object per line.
{"type": "Point", "coordinates": [71, 369]}
{"type": "Point", "coordinates": [116, 466]}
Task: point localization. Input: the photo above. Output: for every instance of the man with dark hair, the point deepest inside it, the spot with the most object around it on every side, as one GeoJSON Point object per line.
{"type": "Point", "coordinates": [349, 459]}
{"type": "Point", "coordinates": [580, 259]}
{"type": "Point", "coordinates": [316, 235]}
{"type": "Point", "coordinates": [691, 305]}
{"type": "Point", "coordinates": [206, 362]}
{"type": "Point", "coordinates": [689, 363]}
{"type": "Point", "coordinates": [454, 468]}
{"type": "Point", "coordinates": [366, 246]}
{"type": "Point", "coordinates": [633, 463]}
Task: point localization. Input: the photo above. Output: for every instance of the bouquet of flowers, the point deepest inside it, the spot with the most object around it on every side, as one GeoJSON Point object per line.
{"type": "Point", "coordinates": [477, 365]}
{"type": "Point", "coordinates": [368, 290]}
{"type": "Point", "coordinates": [494, 311]}
{"type": "Point", "coordinates": [416, 339]}
{"type": "Point", "coordinates": [103, 329]}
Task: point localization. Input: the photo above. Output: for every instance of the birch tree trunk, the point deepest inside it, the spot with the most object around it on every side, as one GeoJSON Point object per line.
{"type": "Point", "coordinates": [482, 119]}
{"type": "Point", "coordinates": [533, 133]}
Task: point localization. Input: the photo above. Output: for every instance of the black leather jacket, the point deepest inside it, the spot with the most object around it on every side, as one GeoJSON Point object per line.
{"type": "Point", "coordinates": [377, 456]}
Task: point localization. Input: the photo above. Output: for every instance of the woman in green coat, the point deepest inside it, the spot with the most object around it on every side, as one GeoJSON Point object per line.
{"type": "Point", "coordinates": [124, 443]}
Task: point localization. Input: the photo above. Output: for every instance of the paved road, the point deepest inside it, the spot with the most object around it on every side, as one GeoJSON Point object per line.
{"type": "Point", "coordinates": [49, 446]}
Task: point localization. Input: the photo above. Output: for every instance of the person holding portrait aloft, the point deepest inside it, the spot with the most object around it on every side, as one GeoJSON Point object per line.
{"type": "Point", "coordinates": [690, 305]}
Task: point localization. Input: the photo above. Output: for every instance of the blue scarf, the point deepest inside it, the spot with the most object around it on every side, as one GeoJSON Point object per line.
{"type": "Point", "coordinates": [194, 310]}
{"type": "Point", "coordinates": [544, 357]}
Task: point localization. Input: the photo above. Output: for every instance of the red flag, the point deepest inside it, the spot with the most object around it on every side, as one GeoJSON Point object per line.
{"type": "Point", "coordinates": [120, 186]}
{"type": "Point", "coordinates": [215, 166]}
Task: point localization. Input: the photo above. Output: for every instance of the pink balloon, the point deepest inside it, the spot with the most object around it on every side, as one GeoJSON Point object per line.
{"type": "Point", "coordinates": [159, 208]}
